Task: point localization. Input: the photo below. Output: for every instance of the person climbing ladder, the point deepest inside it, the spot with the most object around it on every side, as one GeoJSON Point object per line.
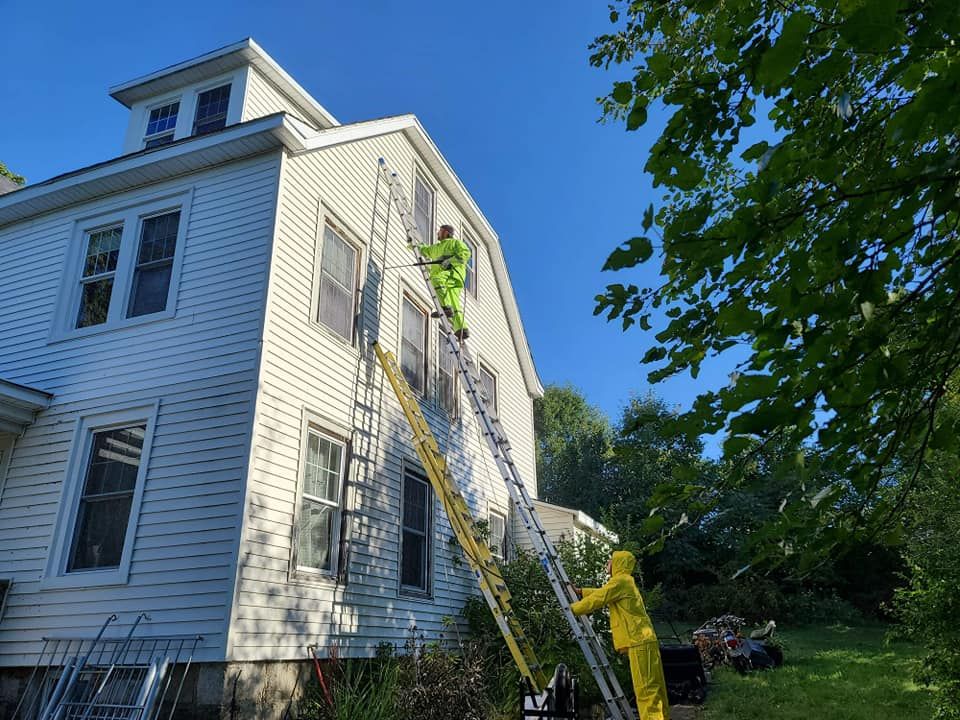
{"type": "Point", "coordinates": [448, 272]}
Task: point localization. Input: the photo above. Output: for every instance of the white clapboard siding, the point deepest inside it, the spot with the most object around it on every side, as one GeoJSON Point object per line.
{"type": "Point", "coordinates": [201, 365]}
{"type": "Point", "coordinates": [263, 98]}
{"type": "Point", "coordinates": [304, 366]}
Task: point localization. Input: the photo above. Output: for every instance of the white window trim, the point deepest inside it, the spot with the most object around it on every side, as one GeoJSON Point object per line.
{"type": "Point", "coordinates": [131, 215]}
{"type": "Point", "coordinates": [502, 556]}
{"type": "Point", "coordinates": [424, 307]}
{"type": "Point", "coordinates": [410, 591]}
{"type": "Point", "coordinates": [55, 574]}
{"type": "Point", "coordinates": [470, 238]}
{"type": "Point", "coordinates": [146, 119]}
{"type": "Point", "coordinates": [7, 443]}
{"type": "Point", "coordinates": [325, 218]}
{"type": "Point", "coordinates": [422, 174]}
{"type": "Point", "coordinates": [322, 425]}
{"type": "Point", "coordinates": [483, 366]}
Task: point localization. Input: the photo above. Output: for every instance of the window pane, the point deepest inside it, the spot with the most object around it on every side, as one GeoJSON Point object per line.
{"type": "Point", "coordinates": [470, 282]}
{"type": "Point", "coordinates": [446, 378]}
{"type": "Point", "coordinates": [150, 289]}
{"type": "Point", "coordinates": [323, 467]}
{"type": "Point", "coordinates": [111, 476]}
{"type": "Point", "coordinates": [415, 498]}
{"type": "Point", "coordinates": [211, 110]}
{"type": "Point", "coordinates": [316, 535]}
{"type": "Point", "coordinates": [103, 248]}
{"type": "Point", "coordinates": [158, 141]}
{"type": "Point", "coordinates": [423, 209]}
{"type": "Point", "coordinates": [94, 302]}
{"type": "Point", "coordinates": [163, 118]}
{"type": "Point", "coordinates": [489, 383]}
{"type": "Point", "coordinates": [413, 346]}
{"type": "Point", "coordinates": [158, 237]}
{"type": "Point", "coordinates": [498, 533]}
{"type": "Point", "coordinates": [101, 530]}
{"type": "Point", "coordinates": [413, 572]}
{"type": "Point", "coordinates": [337, 284]}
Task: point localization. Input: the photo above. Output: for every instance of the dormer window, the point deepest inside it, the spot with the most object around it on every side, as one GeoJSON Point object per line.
{"type": "Point", "coordinates": [211, 110]}
{"type": "Point", "coordinates": [161, 124]}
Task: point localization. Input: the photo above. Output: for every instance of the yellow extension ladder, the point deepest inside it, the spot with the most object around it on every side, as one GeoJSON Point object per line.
{"type": "Point", "coordinates": [491, 583]}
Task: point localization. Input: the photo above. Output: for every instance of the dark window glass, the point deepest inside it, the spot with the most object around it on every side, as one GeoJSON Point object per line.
{"type": "Point", "coordinates": [96, 282]}
{"type": "Point", "coordinates": [416, 532]}
{"type": "Point", "coordinates": [338, 272]}
{"type": "Point", "coordinates": [470, 282]}
{"type": "Point", "coordinates": [211, 110]}
{"type": "Point", "coordinates": [111, 477]}
{"type": "Point", "coordinates": [489, 382]}
{"type": "Point", "coordinates": [151, 277]}
{"type": "Point", "coordinates": [446, 378]}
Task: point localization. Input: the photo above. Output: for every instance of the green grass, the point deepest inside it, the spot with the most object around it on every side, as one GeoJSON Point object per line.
{"type": "Point", "coordinates": [836, 673]}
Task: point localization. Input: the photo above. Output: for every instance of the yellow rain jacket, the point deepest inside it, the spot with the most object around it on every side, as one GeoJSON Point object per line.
{"type": "Point", "coordinates": [629, 622]}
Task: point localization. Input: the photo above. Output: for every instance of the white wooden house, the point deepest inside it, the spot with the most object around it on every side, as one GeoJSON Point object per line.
{"type": "Point", "coordinates": [189, 423]}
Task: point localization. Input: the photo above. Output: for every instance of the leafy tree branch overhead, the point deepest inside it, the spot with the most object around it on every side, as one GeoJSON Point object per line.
{"type": "Point", "coordinates": [830, 250]}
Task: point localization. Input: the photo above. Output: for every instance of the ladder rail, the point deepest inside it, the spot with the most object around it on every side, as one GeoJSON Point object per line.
{"type": "Point", "coordinates": [491, 428]}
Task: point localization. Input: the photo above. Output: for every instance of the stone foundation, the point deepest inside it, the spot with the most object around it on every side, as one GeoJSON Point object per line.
{"type": "Point", "coordinates": [212, 691]}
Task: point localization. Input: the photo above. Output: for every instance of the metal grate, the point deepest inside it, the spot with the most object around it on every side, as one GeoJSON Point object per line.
{"type": "Point", "coordinates": [108, 678]}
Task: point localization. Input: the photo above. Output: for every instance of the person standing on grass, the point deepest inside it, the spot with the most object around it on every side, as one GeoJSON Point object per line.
{"type": "Point", "coordinates": [448, 273]}
{"type": "Point", "coordinates": [632, 633]}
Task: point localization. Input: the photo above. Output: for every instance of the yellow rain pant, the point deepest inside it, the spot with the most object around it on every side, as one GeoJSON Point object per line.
{"type": "Point", "coordinates": [648, 683]}
{"type": "Point", "coordinates": [449, 281]}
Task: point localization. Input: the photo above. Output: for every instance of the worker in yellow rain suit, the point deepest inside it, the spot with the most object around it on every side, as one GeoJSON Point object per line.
{"type": "Point", "coordinates": [448, 273]}
{"type": "Point", "coordinates": [632, 633]}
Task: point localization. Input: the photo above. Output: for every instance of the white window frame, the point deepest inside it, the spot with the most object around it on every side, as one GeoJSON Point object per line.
{"type": "Point", "coordinates": [350, 239]}
{"type": "Point", "coordinates": [172, 132]}
{"type": "Point", "coordinates": [469, 238]}
{"type": "Point", "coordinates": [322, 426]}
{"type": "Point", "coordinates": [61, 541]}
{"type": "Point", "coordinates": [418, 174]}
{"type": "Point", "coordinates": [423, 308]}
{"type": "Point", "coordinates": [131, 215]}
{"type": "Point", "coordinates": [408, 467]}
{"type": "Point", "coordinates": [485, 368]}
{"type": "Point", "coordinates": [7, 443]}
{"type": "Point", "coordinates": [501, 554]}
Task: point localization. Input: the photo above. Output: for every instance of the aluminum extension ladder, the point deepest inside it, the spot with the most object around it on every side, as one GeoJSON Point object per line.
{"type": "Point", "coordinates": [618, 706]}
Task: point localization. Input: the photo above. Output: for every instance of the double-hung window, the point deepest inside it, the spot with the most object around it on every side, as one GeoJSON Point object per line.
{"type": "Point", "coordinates": [161, 125]}
{"type": "Point", "coordinates": [318, 530]}
{"type": "Point", "coordinates": [446, 377]}
{"type": "Point", "coordinates": [423, 205]}
{"type": "Point", "coordinates": [470, 282]}
{"type": "Point", "coordinates": [211, 112]}
{"type": "Point", "coordinates": [127, 268]}
{"type": "Point", "coordinates": [103, 514]}
{"type": "Point", "coordinates": [336, 307]}
{"type": "Point", "coordinates": [497, 525]}
{"type": "Point", "coordinates": [106, 473]}
{"type": "Point", "coordinates": [416, 531]}
{"type": "Point", "coordinates": [489, 382]}
{"type": "Point", "coordinates": [413, 345]}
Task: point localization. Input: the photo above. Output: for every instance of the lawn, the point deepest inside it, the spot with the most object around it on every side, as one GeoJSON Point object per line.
{"type": "Point", "coordinates": [836, 673]}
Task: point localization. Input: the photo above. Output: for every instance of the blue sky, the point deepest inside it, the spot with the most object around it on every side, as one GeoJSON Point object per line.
{"type": "Point", "coordinates": [505, 89]}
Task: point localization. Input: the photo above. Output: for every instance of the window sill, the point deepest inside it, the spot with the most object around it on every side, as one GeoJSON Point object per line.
{"type": "Point", "coordinates": [59, 336]}
{"type": "Point", "coordinates": [414, 594]}
{"type": "Point", "coordinates": [114, 577]}
{"type": "Point", "coordinates": [313, 579]}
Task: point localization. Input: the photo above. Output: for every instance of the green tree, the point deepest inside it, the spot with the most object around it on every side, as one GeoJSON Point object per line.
{"type": "Point", "coordinates": [5, 172]}
{"type": "Point", "coordinates": [573, 447]}
{"type": "Point", "coordinates": [829, 251]}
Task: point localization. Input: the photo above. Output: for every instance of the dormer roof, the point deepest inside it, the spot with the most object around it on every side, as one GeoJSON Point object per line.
{"type": "Point", "coordinates": [229, 57]}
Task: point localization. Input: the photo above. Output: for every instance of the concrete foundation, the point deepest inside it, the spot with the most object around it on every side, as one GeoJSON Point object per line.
{"type": "Point", "coordinates": [212, 691]}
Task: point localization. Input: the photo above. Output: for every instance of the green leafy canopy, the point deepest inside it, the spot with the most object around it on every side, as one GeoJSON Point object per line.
{"type": "Point", "coordinates": [829, 251]}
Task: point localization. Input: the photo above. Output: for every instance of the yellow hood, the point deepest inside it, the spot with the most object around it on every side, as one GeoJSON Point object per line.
{"type": "Point", "coordinates": [623, 563]}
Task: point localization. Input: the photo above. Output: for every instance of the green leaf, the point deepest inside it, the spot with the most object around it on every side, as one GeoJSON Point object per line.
{"type": "Point", "coordinates": [873, 27]}
{"type": "Point", "coordinates": [779, 61]}
{"type": "Point", "coordinates": [633, 252]}
{"type": "Point", "coordinates": [622, 92]}
{"type": "Point", "coordinates": [647, 222]}
{"type": "Point", "coordinates": [638, 114]}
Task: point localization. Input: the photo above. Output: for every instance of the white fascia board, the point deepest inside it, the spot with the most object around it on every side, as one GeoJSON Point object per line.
{"type": "Point", "coordinates": [149, 166]}
{"type": "Point", "coordinates": [19, 406]}
{"type": "Point", "coordinates": [245, 52]}
{"type": "Point", "coordinates": [411, 127]}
